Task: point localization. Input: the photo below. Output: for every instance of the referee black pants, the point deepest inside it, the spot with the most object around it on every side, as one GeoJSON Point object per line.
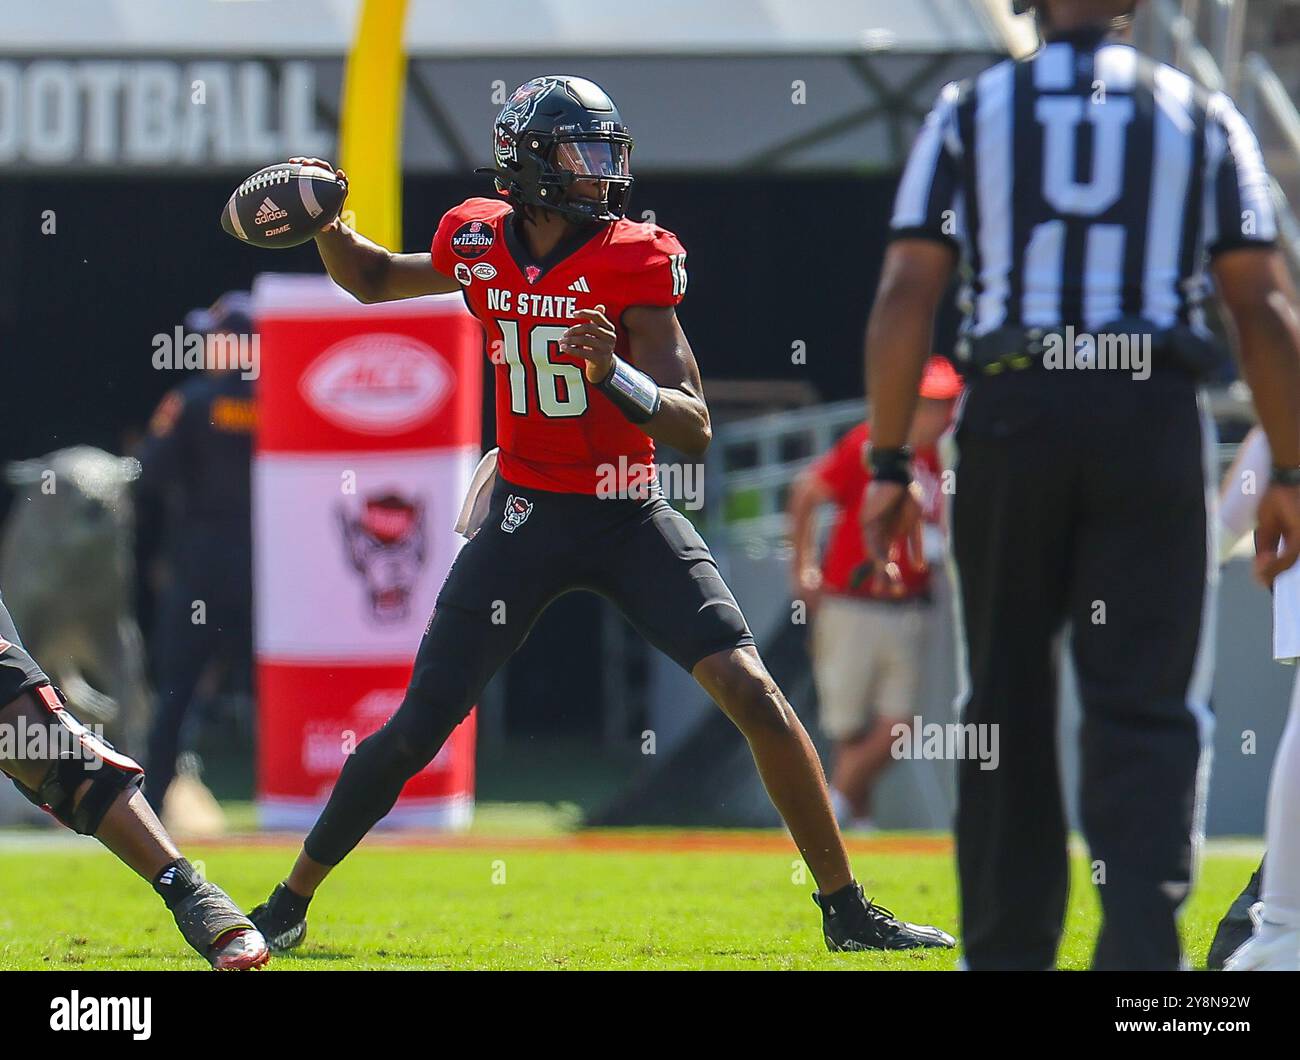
{"type": "Point", "coordinates": [1081, 505]}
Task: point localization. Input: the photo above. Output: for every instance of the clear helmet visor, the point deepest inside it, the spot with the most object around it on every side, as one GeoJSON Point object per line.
{"type": "Point", "coordinates": [593, 158]}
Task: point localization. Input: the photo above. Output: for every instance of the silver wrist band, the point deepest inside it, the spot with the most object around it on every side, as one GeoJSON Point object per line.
{"type": "Point", "coordinates": [634, 392]}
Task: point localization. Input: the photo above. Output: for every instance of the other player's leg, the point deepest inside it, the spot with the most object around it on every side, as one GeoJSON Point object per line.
{"type": "Point", "coordinates": [91, 788]}
{"type": "Point", "coordinates": [1238, 923]}
{"type": "Point", "coordinates": [1275, 945]}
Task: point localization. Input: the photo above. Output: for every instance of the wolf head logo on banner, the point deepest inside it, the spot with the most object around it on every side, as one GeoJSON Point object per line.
{"type": "Point", "coordinates": [387, 547]}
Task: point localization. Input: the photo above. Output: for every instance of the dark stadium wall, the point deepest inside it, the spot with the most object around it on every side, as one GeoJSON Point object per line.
{"type": "Point", "coordinates": [773, 262]}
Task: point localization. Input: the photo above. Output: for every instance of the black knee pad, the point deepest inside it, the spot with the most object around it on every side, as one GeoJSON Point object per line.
{"type": "Point", "coordinates": [79, 757]}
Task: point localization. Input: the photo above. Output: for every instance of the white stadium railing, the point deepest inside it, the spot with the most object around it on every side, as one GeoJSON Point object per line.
{"type": "Point", "coordinates": [753, 462]}
{"type": "Point", "coordinates": [1219, 65]}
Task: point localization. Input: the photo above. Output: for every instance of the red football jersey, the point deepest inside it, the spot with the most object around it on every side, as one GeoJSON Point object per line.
{"type": "Point", "coordinates": [842, 473]}
{"type": "Point", "coordinates": [555, 431]}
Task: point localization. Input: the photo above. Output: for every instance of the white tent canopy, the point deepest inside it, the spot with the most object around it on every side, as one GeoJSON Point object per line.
{"type": "Point", "coordinates": [707, 85]}
{"type": "Point", "coordinates": [505, 27]}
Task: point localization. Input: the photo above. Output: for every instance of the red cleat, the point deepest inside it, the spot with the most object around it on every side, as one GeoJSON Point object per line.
{"type": "Point", "coordinates": [214, 926]}
{"type": "Point", "coordinates": [240, 951]}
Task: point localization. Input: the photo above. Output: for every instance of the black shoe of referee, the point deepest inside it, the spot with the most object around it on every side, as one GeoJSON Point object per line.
{"type": "Point", "coordinates": [282, 919]}
{"type": "Point", "coordinates": [850, 921]}
{"type": "Point", "coordinates": [1237, 925]}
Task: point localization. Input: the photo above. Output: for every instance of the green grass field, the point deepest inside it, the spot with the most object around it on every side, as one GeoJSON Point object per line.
{"type": "Point", "coordinates": [587, 900]}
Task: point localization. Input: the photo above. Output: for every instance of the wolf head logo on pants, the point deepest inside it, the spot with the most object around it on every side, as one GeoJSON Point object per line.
{"type": "Point", "coordinates": [387, 547]}
{"type": "Point", "coordinates": [517, 512]}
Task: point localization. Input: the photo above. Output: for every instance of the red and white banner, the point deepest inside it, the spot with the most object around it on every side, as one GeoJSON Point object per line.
{"type": "Point", "coordinates": [368, 433]}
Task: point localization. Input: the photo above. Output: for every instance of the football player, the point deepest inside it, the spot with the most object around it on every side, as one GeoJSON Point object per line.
{"type": "Point", "coordinates": [592, 369]}
{"type": "Point", "coordinates": [90, 787]}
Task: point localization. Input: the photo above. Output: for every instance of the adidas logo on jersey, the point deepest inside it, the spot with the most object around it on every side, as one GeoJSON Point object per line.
{"type": "Point", "coordinates": [580, 285]}
{"type": "Point", "coordinates": [269, 212]}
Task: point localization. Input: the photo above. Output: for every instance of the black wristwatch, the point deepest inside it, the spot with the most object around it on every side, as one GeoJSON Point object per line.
{"type": "Point", "coordinates": [889, 465]}
{"type": "Point", "coordinates": [1286, 476]}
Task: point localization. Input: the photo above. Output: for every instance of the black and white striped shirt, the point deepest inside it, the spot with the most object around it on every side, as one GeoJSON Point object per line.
{"type": "Point", "coordinates": [1083, 184]}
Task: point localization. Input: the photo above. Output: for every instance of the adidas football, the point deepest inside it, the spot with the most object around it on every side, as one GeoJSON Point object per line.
{"type": "Point", "coordinates": [283, 205]}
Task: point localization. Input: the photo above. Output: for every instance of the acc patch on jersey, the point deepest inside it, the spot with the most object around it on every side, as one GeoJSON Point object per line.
{"type": "Point", "coordinates": [517, 512]}
{"type": "Point", "coordinates": [473, 239]}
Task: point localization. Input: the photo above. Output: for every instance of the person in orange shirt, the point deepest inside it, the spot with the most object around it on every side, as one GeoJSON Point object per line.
{"type": "Point", "coordinates": [870, 633]}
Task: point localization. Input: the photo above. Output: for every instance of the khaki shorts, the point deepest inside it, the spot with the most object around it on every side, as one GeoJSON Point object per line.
{"type": "Point", "coordinates": [867, 659]}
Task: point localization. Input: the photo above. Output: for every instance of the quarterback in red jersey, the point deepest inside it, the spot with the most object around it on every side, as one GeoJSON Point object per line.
{"type": "Point", "coordinates": [592, 368]}
{"type": "Point", "coordinates": [553, 433]}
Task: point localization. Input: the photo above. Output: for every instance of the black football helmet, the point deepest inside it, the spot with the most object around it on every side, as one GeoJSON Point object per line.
{"type": "Point", "coordinates": [556, 137]}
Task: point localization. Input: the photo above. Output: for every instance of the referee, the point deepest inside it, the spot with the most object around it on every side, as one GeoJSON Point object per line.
{"type": "Point", "coordinates": [1084, 192]}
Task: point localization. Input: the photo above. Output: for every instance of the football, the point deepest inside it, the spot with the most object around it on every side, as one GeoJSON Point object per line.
{"type": "Point", "coordinates": [283, 205]}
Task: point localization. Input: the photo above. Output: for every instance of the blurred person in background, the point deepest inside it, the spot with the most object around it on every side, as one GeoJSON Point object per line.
{"type": "Point", "coordinates": [870, 634]}
{"type": "Point", "coordinates": [195, 478]}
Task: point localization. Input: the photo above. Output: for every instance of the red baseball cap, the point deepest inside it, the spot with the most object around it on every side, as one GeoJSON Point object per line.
{"type": "Point", "coordinates": [940, 381]}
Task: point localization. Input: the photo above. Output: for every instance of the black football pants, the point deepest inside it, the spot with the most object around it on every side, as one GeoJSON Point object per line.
{"type": "Point", "coordinates": [642, 555]}
{"type": "Point", "coordinates": [1081, 503]}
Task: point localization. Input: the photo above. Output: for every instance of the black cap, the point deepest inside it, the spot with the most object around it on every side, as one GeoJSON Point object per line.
{"type": "Point", "coordinates": [232, 312]}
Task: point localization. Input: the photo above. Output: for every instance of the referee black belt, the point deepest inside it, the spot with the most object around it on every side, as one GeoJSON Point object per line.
{"type": "Point", "coordinates": [1018, 349]}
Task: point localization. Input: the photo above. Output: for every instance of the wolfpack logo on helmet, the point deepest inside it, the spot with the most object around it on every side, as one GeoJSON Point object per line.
{"type": "Point", "coordinates": [473, 239]}
{"type": "Point", "coordinates": [269, 212]}
{"type": "Point", "coordinates": [518, 112]}
{"type": "Point", "coordinates": [517, 512]}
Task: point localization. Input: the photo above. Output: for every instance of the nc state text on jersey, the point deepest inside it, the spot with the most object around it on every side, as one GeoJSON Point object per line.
{"type": "Point", "coordinates": [524, 304]}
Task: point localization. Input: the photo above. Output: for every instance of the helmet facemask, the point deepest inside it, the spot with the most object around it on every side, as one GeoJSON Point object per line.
{"type": "Point", "coordinates": [595, 174]}
{"type": "Point", "coordinates": [584, 177]}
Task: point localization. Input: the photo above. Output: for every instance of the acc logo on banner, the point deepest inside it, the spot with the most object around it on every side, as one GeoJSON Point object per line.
{"type": "Point", "coordinates": [378, 383]}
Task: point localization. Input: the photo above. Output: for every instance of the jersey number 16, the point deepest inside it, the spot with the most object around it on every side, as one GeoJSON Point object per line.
{"type": "Point", "coordinates": [561, 388]}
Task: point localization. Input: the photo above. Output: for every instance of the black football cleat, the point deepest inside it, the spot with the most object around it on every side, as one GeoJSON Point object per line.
{"type": "Point", "coordinates": [214, 926]}
{"type": "Point", "coordinates": [1237, 925]}
{"type": "Point", "coordinates": [850, 922]}
{"type": "Point", "coordinates": [282, 919]}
